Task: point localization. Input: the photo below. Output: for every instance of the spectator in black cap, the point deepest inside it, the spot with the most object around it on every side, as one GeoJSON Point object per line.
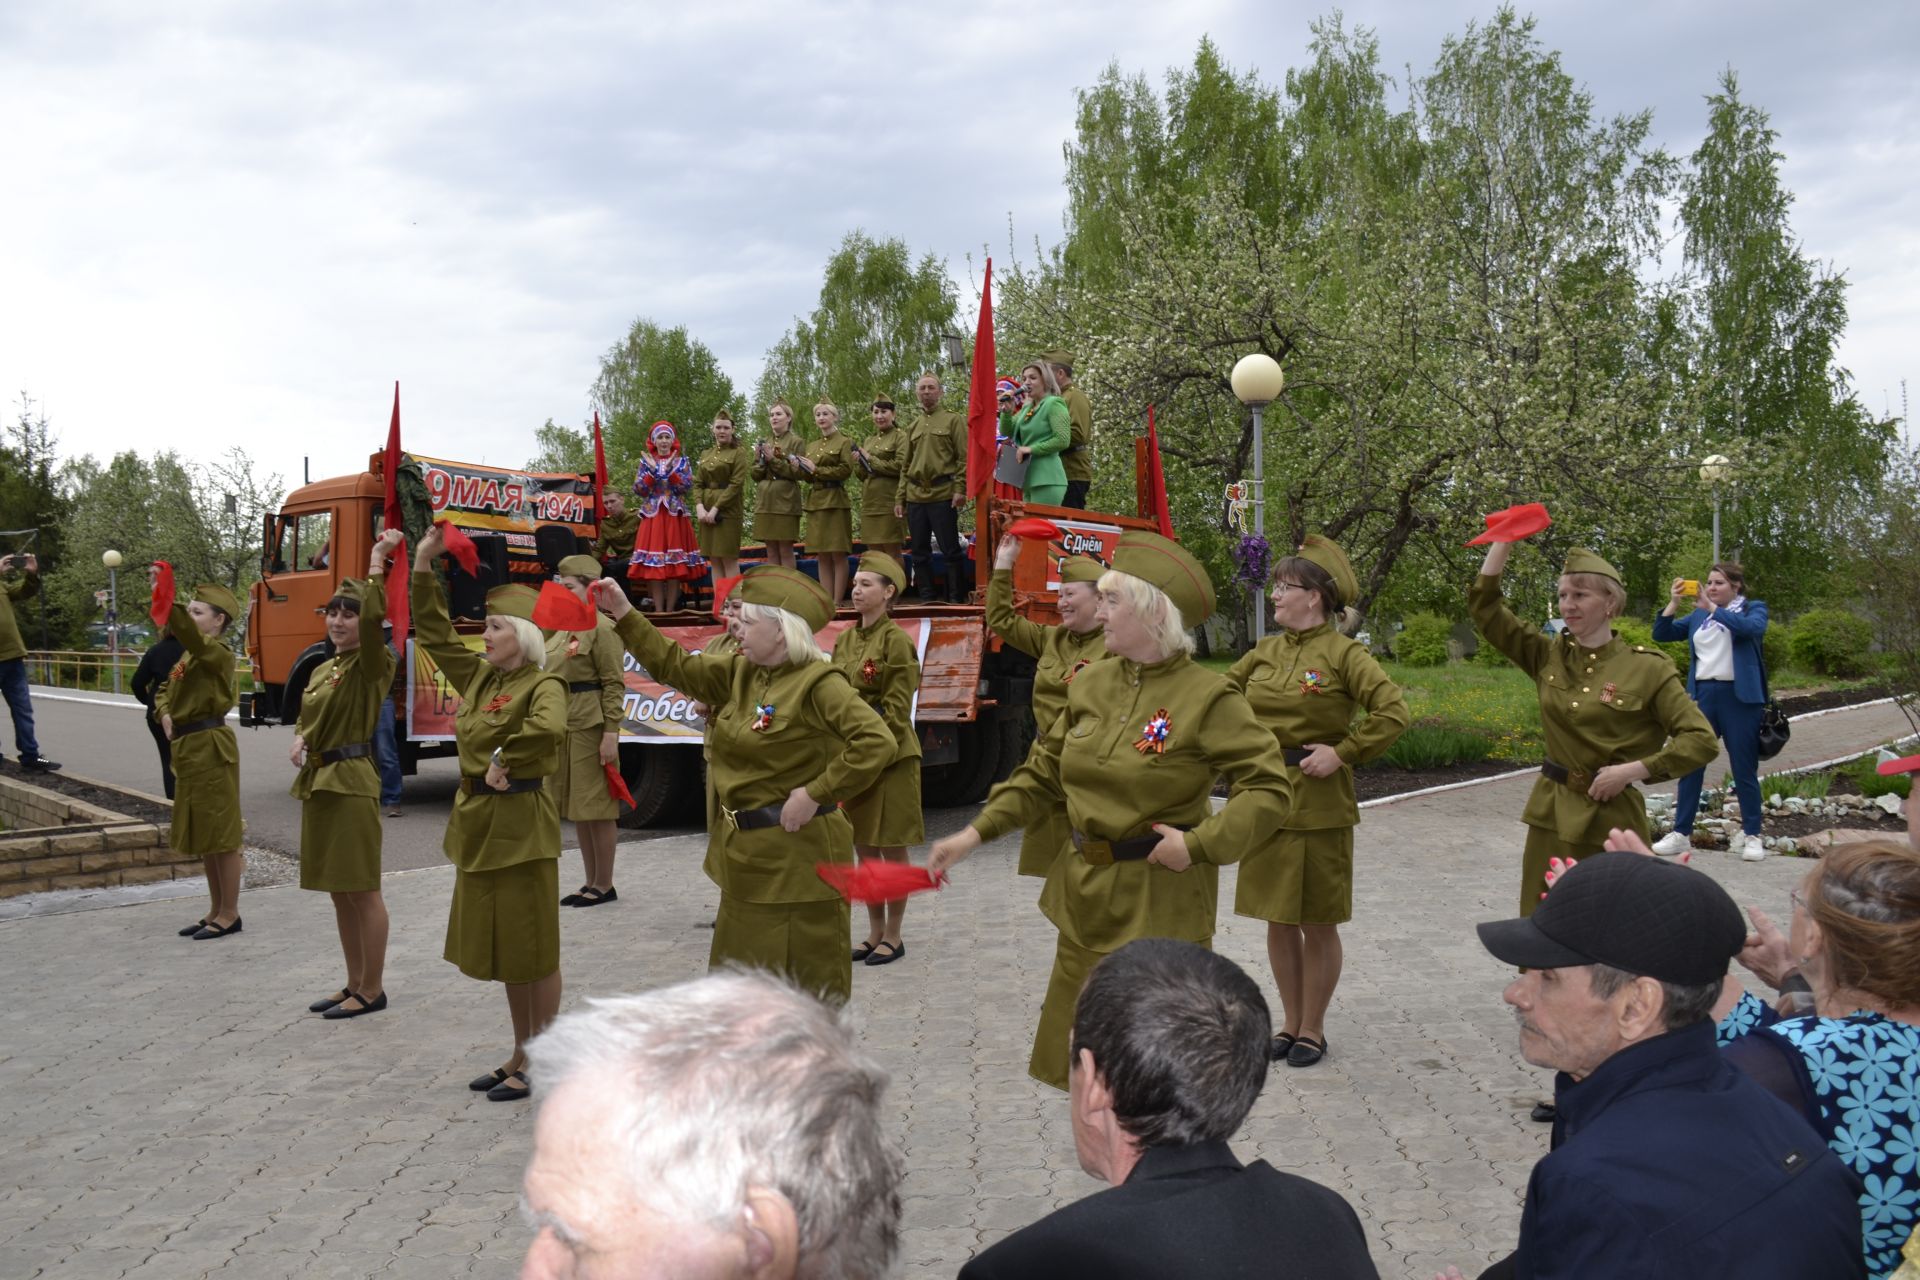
{"type": "Point", "coordinates": [1667, 1161]}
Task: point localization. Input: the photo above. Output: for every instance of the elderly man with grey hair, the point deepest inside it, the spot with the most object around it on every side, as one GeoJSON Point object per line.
{"type": "Point", "coordinates": [724, 1127]}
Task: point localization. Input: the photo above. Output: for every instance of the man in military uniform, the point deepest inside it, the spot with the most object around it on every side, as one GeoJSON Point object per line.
{"type": "Point", "coordinates": [1077, 457]}
{"type": "Point", "coordinates": [935, 488]}
{"type": "Point", "coordinates": [13, 659]}
{"type": "Point", "coordinates": [618, 528]}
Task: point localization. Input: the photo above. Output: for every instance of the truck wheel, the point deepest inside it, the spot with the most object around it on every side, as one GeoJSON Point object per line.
{"type": "Point", "coordinates": [990, 749]}
{"type": "Point", "coordinates": [665, 782]}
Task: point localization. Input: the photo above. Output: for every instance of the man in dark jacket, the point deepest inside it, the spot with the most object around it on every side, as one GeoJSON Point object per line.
{"type": "Point", "coordinates": [1169, 1053]}
{"type": "Point", "coordinates": [1666, 1161]}
{"type": "Point", "coordinates": [155, 664]}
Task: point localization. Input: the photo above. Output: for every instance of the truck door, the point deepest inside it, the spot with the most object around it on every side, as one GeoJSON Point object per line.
{"type": "Point", "coordinates": [300, 578]}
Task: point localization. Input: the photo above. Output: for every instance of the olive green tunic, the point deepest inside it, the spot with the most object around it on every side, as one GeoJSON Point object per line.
{"type": "Point", "coordinates": [720, 481]}
{"type": "Point", "coordinates": [1078, 458]}
{"type": "Point", "coordinates": [829, 510]}
{"type": "Point", "coordinates": [936, 457]}
{"type": "Point", "coordinates": [1113, 791]}
{"type": "Point", "coordinates": [776, 495]}
{"type": "Point", "coordinates": [1059, 656]}
{"type": "Point", "coordinates": [886, 453]}
{"type": "Point", "coordinates": [206, 765]}
{"type": "Point", "coordinates": [615, 537]}
{"type": "Point", "coordinates": [504, 925]}
{"type": "Point", "coordinates": [583, 657]}
{"type": "Point", "coordinates": [816, 734]}
{"type": "Point", "coordinates": [24, 587]}
{"type": "Point", "coordinates": [884, 670]}
{"type": "Point", "coordinates": [1611, 705]}
{"type": "Point", "coordinates": [720, 646]}
{"type": "Point", "coordinates": [1305, 687]}
{"type": "Point", "coordinates": [340, 818]}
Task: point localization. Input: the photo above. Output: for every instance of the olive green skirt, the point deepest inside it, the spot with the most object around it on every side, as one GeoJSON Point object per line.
{"type": "Point", "coordinates": [1301, 877]}
{"type": "Point", "coordinates": [580, 784]}
{"type": "Point", "coordinates": [1044, 841]}
{"type": "Point", "coordinates": [206, 811]}
{"type": "Point", "coordinates": [777, 526]}
{"type": "Point", "coordinates": [339, 843]}
{"type": "Point", "coordinates": [504, 926]}
{"type": "Point", "coordinates": [804, 941]}
{"type": "Point", "coordinates": [1072, 963]}
{"type": "Point", "coordinates": [887, 815]}
{"type": "Point", "coordinates": [830, 531]}
{"type": "Point", "coordinates": [720, 540]}
{"type": "Point", "coordinates": [882, 528]}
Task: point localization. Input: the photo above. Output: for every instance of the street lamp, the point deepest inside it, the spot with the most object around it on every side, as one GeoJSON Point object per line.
{"type": "Point", "coordinates": [1712, 472]}
{"type": "Point", "coordinates": [113, 560]}
{"type": "Point", "coordinates": [1257, 381]}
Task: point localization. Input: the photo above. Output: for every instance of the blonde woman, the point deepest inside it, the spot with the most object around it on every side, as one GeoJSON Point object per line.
{"type": "Point", "coordinates": [720, 498]}
{"type": "Point", "coordinates": [826, 465]}
{"type": "Point", "coordinates": [776, 502]}
{"type": "Point", "coordinates": [590, 663]}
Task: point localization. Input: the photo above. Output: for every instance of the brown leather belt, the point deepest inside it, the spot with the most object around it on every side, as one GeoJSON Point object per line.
{"type": "Point", "coordinates": [767, 815]}
{"type": "Point", "coordinates": [1572, 779]}
{"type": "Point", "coordinates": [1101, 853]}
{"type": "Point", "coordinates": [195, 726]}
{"type": "Point", "coordinates": [583, 686]}
{"type": "Point", "coordinates": [478, 786]}
{"type": "Point", "coordinates": [351, 752]}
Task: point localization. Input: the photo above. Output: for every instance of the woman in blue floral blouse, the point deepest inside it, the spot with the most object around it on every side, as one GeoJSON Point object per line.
{"type": "Point", "coordinates": [1846, 1053]}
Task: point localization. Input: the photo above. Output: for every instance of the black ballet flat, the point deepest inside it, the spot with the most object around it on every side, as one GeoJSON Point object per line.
{"type": "Point", "coordinates": [1282, 1044]}
{"type": "Point", "coordinates": [194, 928]}
{"type": "Point", "coordinates": [489, 1080]}
{"type": "Point", "coordinates": [327, 1002]}
{"type": "Point", "coordinates": [375, 1005]}
{"type": "Point", "coordinates": [595, 897]}
{"type": "Point", "coordinates": [504, 1092]}
{"type": "Point", "coordinates": [574, 899]}
{"type": "Point", "coordinates": [892, 953]}
{"type": "Point", "coordinates": [1306, 1051]}
{"type": "Point", "coordinates": [862, 951]}
{"type": "Point", "coordinates": [209, 931]}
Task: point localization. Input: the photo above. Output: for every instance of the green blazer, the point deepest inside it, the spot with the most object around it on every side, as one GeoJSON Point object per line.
{"type": "Point", "coordinates": [1046, 428]}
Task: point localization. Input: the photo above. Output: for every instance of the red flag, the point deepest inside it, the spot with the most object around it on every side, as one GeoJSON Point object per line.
{"type": "Point", "coordinates": [983, 405]}
{"type": "Point", "coordinates": [558, 609]}
{"type": "Point", "coordinates": [460, 546]}
{"type": "Point", "coordinates": [1157, 478]}
{"type": "Point", "coordinates": [876, 881]}
{"type": "Point", "coordinates": [162, 594]}
{"type": "Point", "coordinates": [617, 785]}
{"type": "Point", "coordinates": [599, 470]}
{"type": "Point", "coordinates": [397, 610]}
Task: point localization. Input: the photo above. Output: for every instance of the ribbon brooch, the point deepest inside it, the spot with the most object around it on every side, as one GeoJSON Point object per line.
{"type": "Point", "coordinates": [1314, 682]}
{"type": "Point", "coordinates": [762, 717]}
{"type": "Point", "coordinates": [1075, 670]}
{"type": "Point", "coordinates": [1154, 737]}
{"type": "Point", "coordinates": [1609, 691]}
{"type": "Point", "coordinates": [333, 677]}
{"type": "Point", "coordinates": [179, 670]}
{"type": "Point", "coordinates": [870, 671]}
{"type": "Point", "coordinates": [499, 700]}
{"type": "Point", "coordinates": [573, 645]}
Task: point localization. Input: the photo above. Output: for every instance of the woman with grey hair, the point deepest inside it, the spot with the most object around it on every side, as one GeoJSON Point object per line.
{"type": "Point", "coordinates": [790, 741]}
{"type": "Point", "coordinates": [1134, 758]}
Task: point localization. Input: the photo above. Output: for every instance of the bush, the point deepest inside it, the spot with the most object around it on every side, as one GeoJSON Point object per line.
{"type": "Point", "coordinates": [1423, 640]}
{"type": "Point", "coordinates": [1488, 656]}
{"type": "Point", "coordinates": [1808, 786]}
{"type": "Point", "coordinates": [1775, 649]}
{"type": "Point", "coordinates": [1867, 776]}
{"type": "Point", "coordinates": [1634, 631]}
{"type": "Point", "coordinates": [1432, 746]}
{"type": "Point", "coordinates": [1832, 642]}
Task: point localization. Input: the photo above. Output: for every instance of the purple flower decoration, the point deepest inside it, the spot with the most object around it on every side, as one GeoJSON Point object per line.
{"type": "Point", "coordinates": [1253, 560]}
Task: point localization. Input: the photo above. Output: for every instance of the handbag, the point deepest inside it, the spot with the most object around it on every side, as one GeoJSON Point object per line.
{"type": "Point", "coordinates": [1774, 728]}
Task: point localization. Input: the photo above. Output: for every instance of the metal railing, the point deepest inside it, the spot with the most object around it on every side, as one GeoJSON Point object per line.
{"type": "Point", "coordinates": [92, 670]}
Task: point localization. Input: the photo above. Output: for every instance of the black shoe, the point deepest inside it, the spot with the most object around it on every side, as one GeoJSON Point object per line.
{"type": "Point", "coordinates": [378, 1003]}
{"type": "Point", "coordinates": [194, 928]}
{"type": "Point", "coordinates": [211, 930]}
{"type": "Point", "coordinates": [38, 764]}
{"type": "Point", "coordinates": [327, 1002]}
{"type": "Point", "coordinates": [862, 951]}
{"type": "Point", "coordinates": [504, 1092]}
{"type": "Point", "coordinates": [574, 899]}
{"type": "Point", "coordinates": [1543, 1113]}
{"type": "Point", "coordinates": [594, 897]}
{"type": "Point", "coordinates": [1277, 1051]}
{"type": "Point", "coordinates": [489, 1080]}
{"type": "Point", "coordinates": [888, 956]}
{"type": "Point", "coordinates": [1306, 1051]}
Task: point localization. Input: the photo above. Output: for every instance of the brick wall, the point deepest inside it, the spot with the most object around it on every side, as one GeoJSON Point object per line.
{"type": "Point", "coordinates": [53, 842]}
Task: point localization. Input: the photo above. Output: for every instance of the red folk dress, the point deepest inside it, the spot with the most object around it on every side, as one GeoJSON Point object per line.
{"type": "Point", "coordinates": [665, 547]}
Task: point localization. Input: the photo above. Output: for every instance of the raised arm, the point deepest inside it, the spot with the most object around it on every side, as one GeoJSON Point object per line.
{"type": "Point", "coordinates": [704, 678]}
{"type": "Point", "coordinates": [1497, 623]}
{"type": "Point", "coordinates": [1027, 636]}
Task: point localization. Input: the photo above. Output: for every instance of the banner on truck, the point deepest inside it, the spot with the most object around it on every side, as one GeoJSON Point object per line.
{"type": "Point", "coordinates": [653, 712]}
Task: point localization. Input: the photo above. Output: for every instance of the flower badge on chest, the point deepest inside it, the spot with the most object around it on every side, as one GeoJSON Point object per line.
{"type": "Point", "coordinates": [179, 670]}
{"type": "Point", "coordinates": [333, 677]}
{"type": "Point", "coordinates": [762, 718]}
{"type": "Point", "coordinates": [1154, 736]}
{"type": "Point", "coordinates": [1313, 682]}
{"type": "Point", "coordinates": [573, 645]}
{"type": "Point", "coordinates": [1075, 670]}
{"type": "Point", "coordinates": [870, 671]}
{"type": "Point", "coordinates": [499, 700]}
{"type": "Point", "coordinates": [1609, 691]}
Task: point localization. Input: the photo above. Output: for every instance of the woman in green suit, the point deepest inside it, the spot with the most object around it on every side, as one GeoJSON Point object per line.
{"type": "Point", "coordinates": [504, 836]}
{"type": "Point", "coordinates": [1306, 685]}
{"type": "Point", "coordinates": [1039, 432]}
{"type": "Point", "coordinates": [790, 743]}
{"type": "Point", "coordinates": [192, 704]}
{"type": "Point", "coordinates": [338, 787]}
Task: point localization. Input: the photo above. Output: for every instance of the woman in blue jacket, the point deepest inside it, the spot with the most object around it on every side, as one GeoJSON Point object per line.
{"type": "Point", "coordinates": [1728, 680]}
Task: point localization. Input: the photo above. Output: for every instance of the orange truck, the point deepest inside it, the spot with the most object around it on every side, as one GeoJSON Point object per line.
{"type": "Point", "coordinates": [972, 708]}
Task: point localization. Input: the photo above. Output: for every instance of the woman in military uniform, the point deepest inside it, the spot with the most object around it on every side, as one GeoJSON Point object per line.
{"type": "Point", "coordinates": [1134, 757]}
{"type": "Point", "coordinates": [1060, 654]}
{"type": "Point", "coordinates": [720, 498]}
{"type": "Point", "coordinates": [339, 787]}
{"type": "Point", "coordinates": [1305, 685]}
{"type": "Point", "coordinates": [884, 670]}
{"type": "Point", "coordinates": [1613, 714]}
{"type": "Point", "coordinates": [883, 526]}
{"type": "Point", "coordinates": [776, 497]}
{"type": "Point", "coordinates": [192, 704]}
{"type": "Point", "coordinates": [791, 741]}
{"type": "Point", "coordinates": [826, 465]}
{"type": "Point", "coordinates": [504, 836]}
{"type": "Point", "coordinates": [590, 663]}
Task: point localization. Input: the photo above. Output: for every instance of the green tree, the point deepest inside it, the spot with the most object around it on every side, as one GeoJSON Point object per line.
{"type": "Point", "coordinates": [650, 375]}
{"type": "Point", "coordinates": [563, 448]}
{"type": "Point", "coordinates": [33, 509]}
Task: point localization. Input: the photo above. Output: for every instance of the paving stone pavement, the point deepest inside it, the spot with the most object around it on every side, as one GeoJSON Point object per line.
{"type": "Point", "coordinates": [175, 1112]}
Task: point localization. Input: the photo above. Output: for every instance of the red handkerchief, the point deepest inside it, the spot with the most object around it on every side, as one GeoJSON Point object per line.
{"type": "Point", "coordinates": [876, 881]}
{"type": "Point", "coordinates": [1034, 527]}
{"type": "Point", "coordinates": [1515, 523]}
{"type": "Point", "coordinates": [162, 594]}
{"type": "Point", "coordinates": [617, 785]}
{"type": "Point", "coordinates": [558, 609]}
{"type": "Point", "coordinates": [460, 546]}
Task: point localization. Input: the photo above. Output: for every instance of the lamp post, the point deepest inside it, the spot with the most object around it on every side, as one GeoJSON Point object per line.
{"type": "Point", "coordinates": [1712, 472]}
{"type": "Point", "coordinates": [113, 560]}
{"type": "Point", "coordinates": [1257, 381]}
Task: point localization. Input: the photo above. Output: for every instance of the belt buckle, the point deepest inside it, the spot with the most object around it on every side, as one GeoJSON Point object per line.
{"type": "Point", "coordinates": [731, 815]}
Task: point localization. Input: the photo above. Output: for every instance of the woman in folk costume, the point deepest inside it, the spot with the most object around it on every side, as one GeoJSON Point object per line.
{"type": "Point", "coordinates": [665, 553]}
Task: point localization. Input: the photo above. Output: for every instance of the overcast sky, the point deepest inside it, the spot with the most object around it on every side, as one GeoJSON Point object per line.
{"type": "Point", "coordinates": [240, 223]}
